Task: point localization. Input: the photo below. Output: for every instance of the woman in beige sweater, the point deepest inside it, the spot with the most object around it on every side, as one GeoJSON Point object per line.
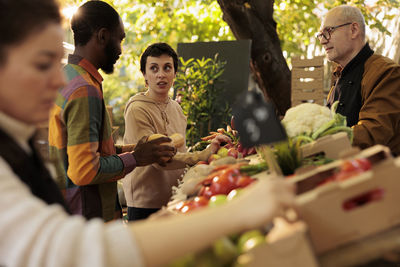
{"type": "Point", "coordinates": [148, 188]}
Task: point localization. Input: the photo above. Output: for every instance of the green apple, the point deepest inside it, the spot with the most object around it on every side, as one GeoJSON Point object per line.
{"type": "Point", "coordinates": [217, 200]}
{"type": "Point", "coordinates": [252, 243]}
{"type": "Point", "coordinates": [213, 157]}
{"type": "Point", "coordinates": [233, 194]}
{"type": "Point", "coordinates": [242, 244]}
{"type": "Point", "coordinates": [225, 250]}
{"type": "Point", "coordinates": [206, 258]}
{"type": "Point", "coordinates": [223, 152]}
{"type": "Point", "coordinates": [187, 260]}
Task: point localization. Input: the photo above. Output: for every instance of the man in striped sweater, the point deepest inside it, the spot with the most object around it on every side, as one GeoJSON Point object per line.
{"type": "Point", "coordinates": [79, 127]}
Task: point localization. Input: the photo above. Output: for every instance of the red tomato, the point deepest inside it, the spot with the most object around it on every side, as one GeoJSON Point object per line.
{"type": "Point", "coordinates": [202, 162]}
{"type": "Point", "coordinates": [206, 192]}
{"type": "Point", "coordinates": [187, 207]}
{"type": "Point", "coordinates": [364, 164]}
{"type": "Point", "coordinates": [221, 185]}
{"type": "Point", "coordinates": [207, 181]}
{"type": "Point", "coordinates": [201, 201]}
{"type": "Point", "coordinates": [349, 166]}
{"type": "Point", "coordinates": [193, 204]}
{"type": "Point", "coordinates": [244, 181]}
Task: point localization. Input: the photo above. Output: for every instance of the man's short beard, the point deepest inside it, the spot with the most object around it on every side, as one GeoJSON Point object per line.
{"type": "Point", "coordinates": [111, 56]}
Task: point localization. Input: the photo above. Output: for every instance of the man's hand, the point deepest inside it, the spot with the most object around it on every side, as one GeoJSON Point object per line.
{"type": "Point", "coordinates": [153, 151]}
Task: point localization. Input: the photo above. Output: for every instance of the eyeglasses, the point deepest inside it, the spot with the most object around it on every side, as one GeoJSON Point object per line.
{"type": "Point", "coordinates": [326, 33]}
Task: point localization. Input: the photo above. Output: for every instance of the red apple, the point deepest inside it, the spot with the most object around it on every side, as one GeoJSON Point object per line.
{"type": "Point", "coordinates": [233, 152]}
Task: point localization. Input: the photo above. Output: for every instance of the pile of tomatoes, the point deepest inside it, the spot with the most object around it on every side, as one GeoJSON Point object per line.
{"type": "Point", "coordinates": [221, 181]}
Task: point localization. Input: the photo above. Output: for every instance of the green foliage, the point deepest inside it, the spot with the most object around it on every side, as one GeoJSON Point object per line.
{"type": "Point", "coordinates": [299, 20]}
{"type": "Point", "coordinates": [149, 21]}
{"type": "Point", "coordinates": [199, 90]}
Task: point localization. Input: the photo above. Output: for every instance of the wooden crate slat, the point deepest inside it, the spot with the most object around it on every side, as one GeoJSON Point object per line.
{"type": "Point", "coordinates": [313, 62]}
{"type": "Point", "coordinates": [315, 84]}
{"type": "Point", "coordinates": [307, 95]}
{"type": "Point", "coordinates": [301, 73]}
{"type": "Point", "coordinates": [316, 101]}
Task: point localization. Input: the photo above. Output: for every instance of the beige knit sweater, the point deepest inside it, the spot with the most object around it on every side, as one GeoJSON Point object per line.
{"type": "Point", "coordinates": [151, 186]}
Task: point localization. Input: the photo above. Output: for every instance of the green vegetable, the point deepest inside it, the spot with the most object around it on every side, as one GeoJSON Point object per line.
{"type": "Point", "coordinates": [303, 139]}
{"type": "Point", "coordinates": [337, 129]}
{"type": "Point", "coordinates": [334, 107]}
{"type": "Point", "coordinates": [338, 120]}
{"type": "Point", "coordinates": [316, 160]}
{"type": "Point", "coordinates": [252, 169]}
{"type": "Point", "coordinates": [288, 156]}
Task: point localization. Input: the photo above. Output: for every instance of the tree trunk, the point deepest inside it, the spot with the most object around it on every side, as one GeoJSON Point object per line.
{"type": "Point", "coordinates": [252, 19]}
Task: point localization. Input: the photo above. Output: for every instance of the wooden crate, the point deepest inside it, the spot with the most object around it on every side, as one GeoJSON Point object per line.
{"type": "Point", "coordinates": [291, 248]}
{"type": "Point", "coordinates": [332, 146]}
{"type": "Point", "coordinates": [323, 208]}
{"type": "Point", "coordinates": [308, 80]}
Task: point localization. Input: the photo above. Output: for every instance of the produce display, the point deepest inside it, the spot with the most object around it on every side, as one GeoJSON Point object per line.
{"type": "Point", "coordinates": [235, 149]}
{"type": "Point", "coordinates": [208, 186]}
{"type": "Point", "coordinates": [227, 172]}
{"type": "Point", "coordinates": [204, 180]}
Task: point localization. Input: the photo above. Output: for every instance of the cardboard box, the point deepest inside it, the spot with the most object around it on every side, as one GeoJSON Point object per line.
{"type": "Point", "coordinates": [340, 212]}
{"type": "Point", "coordinates": [292, 248]}
{"type": "Point", "coordinates": [332, 146]}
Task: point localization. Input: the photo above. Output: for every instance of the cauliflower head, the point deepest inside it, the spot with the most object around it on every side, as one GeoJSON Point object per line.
{"type": "Point", "coordinates": [305, 118]}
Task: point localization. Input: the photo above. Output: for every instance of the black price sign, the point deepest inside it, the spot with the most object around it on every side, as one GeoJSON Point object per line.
{"type": "Point", "coordinates": [256, 120]}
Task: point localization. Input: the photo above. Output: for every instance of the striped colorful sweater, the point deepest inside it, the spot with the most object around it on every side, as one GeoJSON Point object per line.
{"type": "Point", "coordinates": [80, 136]}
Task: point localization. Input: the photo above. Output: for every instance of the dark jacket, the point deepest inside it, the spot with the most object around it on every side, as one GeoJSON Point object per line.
{"type": "Point", "coordinates": [31, 170]}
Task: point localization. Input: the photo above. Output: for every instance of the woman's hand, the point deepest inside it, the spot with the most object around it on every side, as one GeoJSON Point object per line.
{"type": "Point", "coordinates": [216, 142]}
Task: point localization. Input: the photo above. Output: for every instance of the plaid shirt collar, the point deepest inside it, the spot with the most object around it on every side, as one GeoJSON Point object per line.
{"type": "Point", "coordinates": [84, 63]}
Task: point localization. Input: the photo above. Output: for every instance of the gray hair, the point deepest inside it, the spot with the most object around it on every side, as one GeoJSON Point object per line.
{"type": "Point", "coordinates": [351, 14]}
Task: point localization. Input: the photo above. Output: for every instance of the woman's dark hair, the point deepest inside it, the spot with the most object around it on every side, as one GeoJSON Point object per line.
{"type": "Point", "coordinates": [157, 50]}
{"type": "Point", "coordinates": [20, 18]}
{"type": "Point", "coordinates": [91, 17]}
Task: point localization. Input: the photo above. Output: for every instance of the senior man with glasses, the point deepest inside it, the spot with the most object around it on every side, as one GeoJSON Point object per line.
{"type": "Point", "coordinates": [366, 85]}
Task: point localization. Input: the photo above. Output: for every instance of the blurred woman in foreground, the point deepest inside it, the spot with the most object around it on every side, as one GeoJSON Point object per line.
{"type": "Point", "coordinates": [35, 227]}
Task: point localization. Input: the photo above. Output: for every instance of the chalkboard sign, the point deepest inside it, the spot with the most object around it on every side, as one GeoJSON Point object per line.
{"type": "Point", "coordinates": [256, 120]}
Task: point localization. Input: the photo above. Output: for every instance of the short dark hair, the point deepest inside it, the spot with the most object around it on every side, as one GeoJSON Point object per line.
{"type": "Point", "coordinates": [19, 19]}
{"type": "Point", "coordinates": [156, 50]}
{"type": "Point", "coordinates": [91, 17]}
